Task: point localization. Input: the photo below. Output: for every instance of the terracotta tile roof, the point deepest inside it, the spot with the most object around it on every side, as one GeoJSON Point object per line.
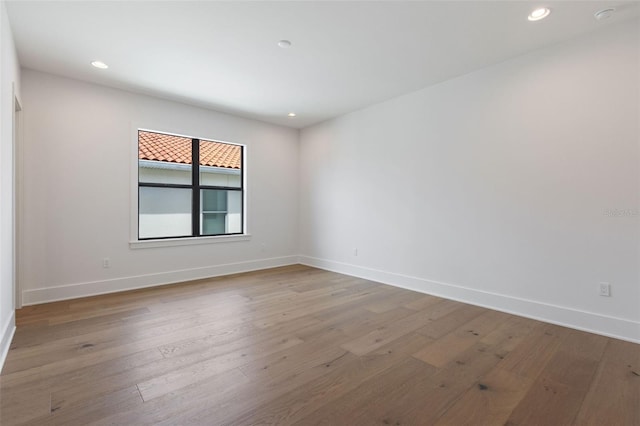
{"type": "Point", "coordinates": [176, 149]}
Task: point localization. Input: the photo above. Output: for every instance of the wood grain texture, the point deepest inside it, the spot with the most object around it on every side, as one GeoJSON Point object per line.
{"type": "Point", "coordinates": [298, 345]}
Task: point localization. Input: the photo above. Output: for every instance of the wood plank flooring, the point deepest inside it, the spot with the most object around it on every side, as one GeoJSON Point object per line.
{"type": "Point", "coordinates": [302, 346]}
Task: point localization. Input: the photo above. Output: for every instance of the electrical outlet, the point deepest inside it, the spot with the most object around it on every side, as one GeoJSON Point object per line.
{"type": "Point", "coordinates": [605, 289]}
{"type": "Point", "coordinates": [106, 263]}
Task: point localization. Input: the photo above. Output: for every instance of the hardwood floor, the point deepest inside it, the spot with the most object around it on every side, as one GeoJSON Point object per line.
{"type": "Point", "coordinates": [298, 345]}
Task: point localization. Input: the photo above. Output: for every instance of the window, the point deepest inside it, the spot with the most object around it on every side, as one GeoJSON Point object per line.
{"type": "Point", "coordinates": [188, 187]}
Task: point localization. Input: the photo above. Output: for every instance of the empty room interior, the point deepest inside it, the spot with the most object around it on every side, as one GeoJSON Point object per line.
{"type": "Point", "coordinates": [320, 213]}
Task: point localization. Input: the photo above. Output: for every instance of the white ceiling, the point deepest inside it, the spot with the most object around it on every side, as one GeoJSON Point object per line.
{"type": "Point", "coordinates": [344, 55]}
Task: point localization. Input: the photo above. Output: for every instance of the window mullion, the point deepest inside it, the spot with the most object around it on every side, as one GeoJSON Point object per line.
{"type": "Point", "coordinates": [195, 183]}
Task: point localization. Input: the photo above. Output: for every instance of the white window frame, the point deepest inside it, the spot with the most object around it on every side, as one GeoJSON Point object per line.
{"type": "Point", "coordinates": [135, 242]}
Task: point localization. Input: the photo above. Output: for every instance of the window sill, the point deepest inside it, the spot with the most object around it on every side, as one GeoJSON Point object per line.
{"type": "Point", "coordinates": [171, 242]}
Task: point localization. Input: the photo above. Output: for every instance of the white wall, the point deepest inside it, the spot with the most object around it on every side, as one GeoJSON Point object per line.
{"type": "Point", "coordinates": [9, 79]}
{"type": "Point", "coordinates": [493, 187]}
{"type": "Point", "coordinates": [79, 145]}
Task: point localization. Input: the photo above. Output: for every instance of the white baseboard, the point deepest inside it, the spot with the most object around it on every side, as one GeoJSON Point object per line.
{"type": "Point", "coordinates": [94, 288]}
{"type": "Point", "coordinates": [7, 335]}
{"type": "Point", "coordinates": [618, 328]}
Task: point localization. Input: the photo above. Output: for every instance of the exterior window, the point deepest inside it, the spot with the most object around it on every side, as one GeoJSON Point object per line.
{"type": "Point", "coordinates": [188, 187]}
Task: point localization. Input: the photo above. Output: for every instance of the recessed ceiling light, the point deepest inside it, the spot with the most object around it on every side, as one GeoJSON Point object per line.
{"type": "Point", "coordinates": [285, 44]}
{"type": "Point", "coordinates": [539, 13]}
{"type": "Point", "coordinates": [100, 64]}
{"type": "Point", "coordinates": [604, 13]}
{"type": "Point", "coordinates": [291, 114]}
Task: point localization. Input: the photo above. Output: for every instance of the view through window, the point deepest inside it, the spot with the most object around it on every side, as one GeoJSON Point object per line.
{"type": "Point", "coordinates": [188, 187]}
